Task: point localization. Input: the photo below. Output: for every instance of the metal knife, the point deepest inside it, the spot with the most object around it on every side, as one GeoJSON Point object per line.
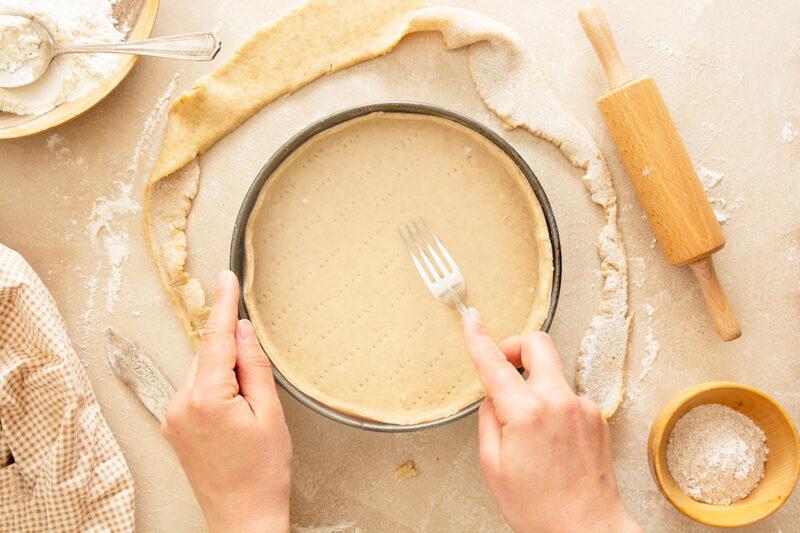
{"type": "Point", "coordinates": [139, 373]}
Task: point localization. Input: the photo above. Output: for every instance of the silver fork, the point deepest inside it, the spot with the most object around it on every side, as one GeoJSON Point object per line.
{"type": "Point", "coordinates": [435, 265]}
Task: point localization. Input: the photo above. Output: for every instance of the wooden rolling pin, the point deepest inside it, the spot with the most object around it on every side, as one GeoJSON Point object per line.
{"type": "Point", "coordinates": [662, 173]}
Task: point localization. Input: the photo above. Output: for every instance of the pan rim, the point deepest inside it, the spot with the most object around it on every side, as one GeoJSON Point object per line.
{"type": "Point", "coordinates": [237, 248]}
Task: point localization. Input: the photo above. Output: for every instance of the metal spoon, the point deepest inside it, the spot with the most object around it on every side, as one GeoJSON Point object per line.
{"type": "Point", "coordinates": [201, 46]}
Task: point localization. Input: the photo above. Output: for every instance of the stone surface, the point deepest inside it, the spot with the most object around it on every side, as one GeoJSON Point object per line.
{"type": "Point", "coordinates": [730, 72]}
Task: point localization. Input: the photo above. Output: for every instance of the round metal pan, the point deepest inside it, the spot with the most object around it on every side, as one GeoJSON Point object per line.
{"type": "Point", "coordinates": [237, 242]}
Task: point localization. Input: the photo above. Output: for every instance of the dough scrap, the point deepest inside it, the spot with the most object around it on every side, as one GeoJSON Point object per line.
{"type": "Point", "coordinates": [405, 471]}
{"type": "Point", "coordinates": [333, 295]}
{"type": "Point", "coordinates": [323, 36]}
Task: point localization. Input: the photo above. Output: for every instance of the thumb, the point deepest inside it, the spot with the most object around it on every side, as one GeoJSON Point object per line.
{"type": "Point", "coordinates": [254, 371]}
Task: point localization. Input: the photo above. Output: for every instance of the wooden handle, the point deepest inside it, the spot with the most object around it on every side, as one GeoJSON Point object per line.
{"type": "Point", "coordinates": [717, 303]}
{"type": "Point", "coordinates": [597, 30]}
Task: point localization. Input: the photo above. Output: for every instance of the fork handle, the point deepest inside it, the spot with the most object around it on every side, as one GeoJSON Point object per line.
{"type": "Point", "coordinates": [461, 307]}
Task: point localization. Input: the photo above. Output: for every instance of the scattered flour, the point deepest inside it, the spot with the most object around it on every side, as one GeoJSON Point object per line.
{"type": "Point", "coordinates": [697, 8]}
{"type": "Point", "coordinates": [88, 313]}
{"type": "Point", "coordinates": [716, 454]}
{"type": "Point", "coordinates": [61, 151]}
{"type": "Point", "coordinates": [634, 387]}
{"type": "Point", "coordinates": [152, 120]}
{"type": "Point", "coordinates": [54, 141]}
{"type": "Point", "coordinates": [636, 271]}
{"type": "Point", "coordinates": [219, 14]}
{"type": "Point", "coordinates": [103, 227]}
{"type": "Point", "coordinates": [722, 209]}
{"type": "Point", "coordinates": [652, 347]}
{"type": "Point", "coordinates": [57, 147]}
{"type": "Point", "coordinates": [793, 254]}
{"type": "Point", "coordinates": [113, 237]}
{"type": "Point", "coordinates": [709, 178]}
{"type": "Point", "coordinates": [789, 133]}
{"type": "Point", "coordinates": [70, 76]}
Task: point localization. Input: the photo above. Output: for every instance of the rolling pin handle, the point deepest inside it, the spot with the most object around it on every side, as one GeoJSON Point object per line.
{"type": "Point", "coordinates": [717, 303]}
{"type": "Point", "coordinates": [597, 30]}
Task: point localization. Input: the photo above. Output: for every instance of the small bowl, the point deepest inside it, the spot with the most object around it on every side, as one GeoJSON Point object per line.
{"type": "Point", "coordinates": [139, 16]}
{"type": "Point", "coordinates": [780, 471]}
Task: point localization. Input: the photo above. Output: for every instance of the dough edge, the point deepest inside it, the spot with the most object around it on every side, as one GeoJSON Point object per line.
{"type": "Point", "coordinates": [197, 121]}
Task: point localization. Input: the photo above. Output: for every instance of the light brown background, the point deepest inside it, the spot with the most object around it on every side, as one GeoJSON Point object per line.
{"type": "Point", "coordinates": [730, 72]}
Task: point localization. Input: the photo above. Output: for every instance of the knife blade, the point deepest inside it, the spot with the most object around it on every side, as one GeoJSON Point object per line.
{"type": "Point", "coordinates": [139, 373]}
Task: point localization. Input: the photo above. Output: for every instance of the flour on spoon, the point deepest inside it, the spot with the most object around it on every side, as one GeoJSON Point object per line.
{"type": "Point", "coordinates": [70, 76]}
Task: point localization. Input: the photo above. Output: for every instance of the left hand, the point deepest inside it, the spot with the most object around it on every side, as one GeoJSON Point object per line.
{"type": "Point", "coordinates": [227, 427]}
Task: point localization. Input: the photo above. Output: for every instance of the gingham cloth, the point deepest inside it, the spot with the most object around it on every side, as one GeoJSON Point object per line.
{"type": "Point", "coordinates": [60, 467]}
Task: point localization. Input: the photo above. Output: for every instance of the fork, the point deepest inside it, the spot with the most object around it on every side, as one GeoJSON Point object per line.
{"type": "Point", "coordinates": [435, 265]}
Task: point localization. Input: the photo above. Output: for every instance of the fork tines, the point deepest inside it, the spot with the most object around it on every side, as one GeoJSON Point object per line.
{"type": "Point", "coordinates": [434, 264]}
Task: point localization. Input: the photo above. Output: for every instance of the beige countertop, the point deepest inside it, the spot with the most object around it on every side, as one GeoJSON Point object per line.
{"type": "Point", "coordinates": [730, 72]}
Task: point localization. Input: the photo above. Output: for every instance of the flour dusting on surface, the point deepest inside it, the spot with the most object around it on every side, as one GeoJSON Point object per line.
{"type": "Point", "coordinates": [154, 118]}
{"type": "Point", "coordinates": [88, 313]}
{"type": "Point", "coordinates": [652, 346]}
{"type": "Point", "coordinates": [219, 14]}
{"type": "Point", "coordinates": [709, 178]}
{"type": "Point", "coordinates": [793, 254]}
{"type": "Point", "coordinates": [716, 454]}
{"type": "Point", "coordinates": [722, 208]}
{"type": "Point", "coordinates": [53, 141]}
{"type": "Point", "coordinates": [636, 271]}
{"type": "Point", "coordinates": [105, 230]}
{"type": "Point", "coordinates": [57, 147]}
{"type": "Point", "coordinates": [789, 133]}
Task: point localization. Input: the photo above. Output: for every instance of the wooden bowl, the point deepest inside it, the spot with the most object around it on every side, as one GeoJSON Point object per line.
{"type": "Point", "coordinates": [780, 471]}
{"type": "Point", "coordinates": [139, 16]}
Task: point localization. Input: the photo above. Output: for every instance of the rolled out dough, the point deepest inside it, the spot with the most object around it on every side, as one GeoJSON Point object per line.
{"type": "Point", "coordinates": [324, 36]}
{"type": "Point", "coordinates": [332, 291]}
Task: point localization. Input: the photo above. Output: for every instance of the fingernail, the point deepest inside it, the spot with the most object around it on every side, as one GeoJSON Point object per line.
{"type": "Point", "coordinates": [224, 278]}
{"type": "Point", "coordinates": [245, 332]}
{"type": "Point", "coordinates": [475, 315]}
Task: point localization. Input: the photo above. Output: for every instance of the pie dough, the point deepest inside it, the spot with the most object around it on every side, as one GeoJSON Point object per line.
{"type": "Point", "coordinates": [323, 36]}
{"type": "Point", "coordinates": [333, 294]}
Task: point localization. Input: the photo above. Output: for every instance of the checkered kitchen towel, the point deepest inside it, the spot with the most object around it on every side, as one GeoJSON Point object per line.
{"type": "Point", "coordinates": [60, 467]}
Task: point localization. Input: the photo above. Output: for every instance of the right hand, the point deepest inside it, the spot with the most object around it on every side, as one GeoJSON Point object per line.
{"type": "Point", "coordinates": [545, 452]}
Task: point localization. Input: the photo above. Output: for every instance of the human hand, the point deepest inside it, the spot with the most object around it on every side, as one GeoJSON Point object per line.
{"type": "Point", "coordinates": [545, 452]}
{"type": "Point", "coordinates": [227, 427]}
